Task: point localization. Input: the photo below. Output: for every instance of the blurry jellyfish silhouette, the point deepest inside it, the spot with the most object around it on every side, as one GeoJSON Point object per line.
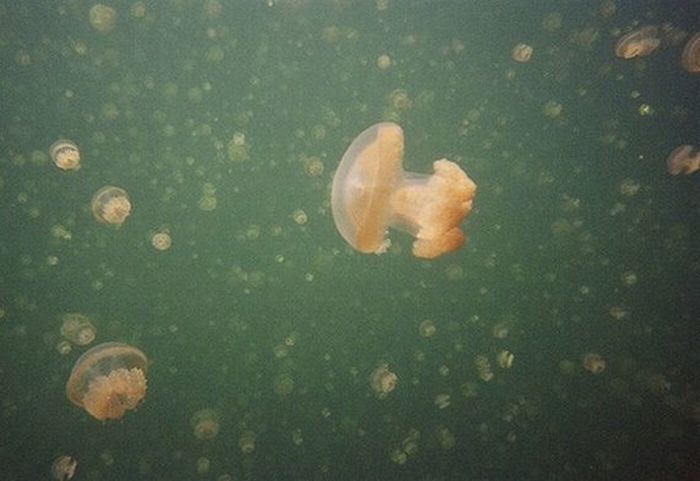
{"type": "Point", "coordinates": [372, 192]}
{"type": "Point", "coordinates": [111, 205]}
{"type": "Point", "coordinates": [247, 442]}
{"type": "Point", "coordinates": [427, 328]}
{"type": "Point", "coordinates": [161, 241]}
{"type": "Point", "coordinates": [63, 468]}
{"type": "Point", "coordinates": [108, 379]}
{"type": "Point", "coordinates": [690, 58]}
{"type": "Point", "coordinates": [102, 17]}
{"type": "Point", "coordinates": [683, 160]}
{"type": "Point", "coordinates": [594, 363]}
{"type": "Point", "coordinates": [205, 424]}
{"type": "Point", "coordinates": [522, 53]}
{"type": "Point", "coordinates": [382, 380]}
{"type": "Point", "coordinates": [638, 43]}
{"type": "Point", "coordinates": [65, 154]}
{"type": "Point", "coordinates": [283, 384]}
{"type": "Point", "coordinates": [78, 329]}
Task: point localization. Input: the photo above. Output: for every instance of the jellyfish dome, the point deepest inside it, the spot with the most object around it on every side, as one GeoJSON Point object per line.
{"type": "Point", "coordinates": [108, 380]}
{"type": "Point", "coordinates": [371, 192]}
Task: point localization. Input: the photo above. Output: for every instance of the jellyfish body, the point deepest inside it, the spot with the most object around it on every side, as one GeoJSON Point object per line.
{"type": "Point", "coordinates": [683, 160]}
{"type": "Point", "coordinates": [690, 58]}
{"type": "Point", "coordinates": [78, 329]}
{"type": "Point", "coordinates": [63, 468]}
{"type": "Point", "coordinates": [638, 43]}
{"type": "Point", "coordinates": [522, 52]}
{"type": "Point", "coordinates": [111, 205]}
{"type": "Point", "coordinates": [65, 154]}
{"type": "Point", "coordinates": [205, 423]}
{"type": "Point", "coordinates": [371, 192]}
{"type": "Point", "coordinates": [382, 380]}
{"type": "Point", "coordinates": [108, 380]}
{"type": "Point", "coordinates": [161, 241]}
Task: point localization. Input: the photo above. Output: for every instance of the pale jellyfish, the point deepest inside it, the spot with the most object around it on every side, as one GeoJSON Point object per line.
{"type": "Point", "coordinates": [205, 424]}
{"type": "Point", "coordinates": [78, 329]}
{"type": "Point", "coordinates": [102, 17]}
{"type": "Point", "coordinates": [382, 380]}
{"type": "Point", "coordinates": [65, 154]}
{"type": "Point", "coordinates": [108, 380]}
{"type": "Point", "coordinates": [427, 328]}
{"type": "Point", "coordinates": [161, 241]}
{"type": "Point", "coordinates": [111, 205]}
{"type": "Point", "coordinates": [638, 43]}
{"type": "Point", "coordinates": [63, 468]}
{"type": "Point", "coordinates": [690, 58]}
{"type": "Point", "coordinates": [371, 192]}
{"type": "Point", "coordinates": [247, 442]}
{"type": "Point", "coordinates": [594, 363]}
{"type": "Point", "coordinates": [683, 160]}
{"type": "Point", "coordinates": [522, 53]}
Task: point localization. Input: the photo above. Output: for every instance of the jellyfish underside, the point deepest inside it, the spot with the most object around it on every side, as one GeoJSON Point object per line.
{"type": "Point", "coordinates": [371, 192]}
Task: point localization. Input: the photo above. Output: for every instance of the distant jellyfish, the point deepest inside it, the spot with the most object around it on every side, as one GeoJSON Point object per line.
{"type": "Point", "coordinates": [384, 62]}
{"type": "Point", "coordinates": [78, 329]}
{"type": "Point", "coordinates": [427, 328]}
{"type": "Point", "coordinates": [205, 424]}
{"type": "Point", "coordinates": [65, 154]}
{"type": "Point", "coordinates": [247, 442]}
{"type": "Point", "coordinates": [522, 53]}
{"type": "Point", "coordinates": [638, 43]}
{"type": "Point", "coordinates": [372, 192]}
{"type": "Point", "coordinates": [63, 468]}
{"type": "Point", "coordinates": [102, 17]}
{"type": "Point", "coordinates": [683, 160]}
{"type": "Point", "coordinates": [161, 241]}
{"type": "Point", "coordinates": [594, 363]}
{"type": "Point", "coordinates": [108, 380]}
{"type": "Point", "coordinates": [382, 380]}
{"type": "Point", "coordinates": [690, 58]}
{"type": "Point", "coordinates": [283, 384]}
{"type": "Point", "coordinates": [111, 205]}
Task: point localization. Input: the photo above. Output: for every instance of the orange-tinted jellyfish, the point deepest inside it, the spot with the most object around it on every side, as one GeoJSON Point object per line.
{"type": "Point", "coordinates": [690, 58]}
{"type": "Point", "coordinates": [382, 380]}
{"type": "Point", "coordinates": [111, 205]}
{"type": "Point", "coordinates": [108, 380]}
{"type": "Point", "coordinates": [638, 43]}
{"type": "Point", "coordinates": [683, 160]}
{"type": "Point", "coordinates": [205, 423]}
{"type": "Point", "coordinates": [65, 154]}
{"type": "Point", "coordinates": [522, 53]}
{"type": "Point", "coordinates": [371, 192]}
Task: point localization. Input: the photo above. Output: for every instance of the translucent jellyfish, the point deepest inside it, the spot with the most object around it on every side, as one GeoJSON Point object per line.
{"type": "Point", "coordinates": [247, 442]}
{"type": "Point", "coordinates": [690, 58]}
{"type": "Point", "coordinates": [108, 380]}
{"type": "Point", "coordinates": [505, 359]}
{"type": "Point", "coordinates": [283, 385]}
{"type": "Point", "coordinates": [111, 205]}
{"type": "Point", "coordinates": [683, 160]}
{"type": "Point", "coordinates": [594, 363]}
{"type": "Point", "coordinates": [102, 17]}
{"type": "Point", "coordinates": [483, 367]}
{"type": "Point", "coordinates": [65, 154]}
{"type": "Point", "coordinates": [384, 62]}
{"type": "Point", "coordinates": [372, 192]}
{"type": "Point", "coordinates": [383, 381]}
{"type": "Point", "coordinates": [161, 241]}
{"type": "Point", "coordinates": [205, 424]}
{"type": "Point", "coordinates": [522, 53]}
{"type": "Point", "coordinates": [63, 468]}
{"type": "Point", "coordinates": [427, 328]}
{"type": "Point", "coordinates": [638, 43]}
{"type": "Point", "coordinates": [78, 329]}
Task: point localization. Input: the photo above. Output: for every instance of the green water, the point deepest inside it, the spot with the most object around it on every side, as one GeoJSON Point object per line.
{"type": "Point", "coordinates": [580, 241]}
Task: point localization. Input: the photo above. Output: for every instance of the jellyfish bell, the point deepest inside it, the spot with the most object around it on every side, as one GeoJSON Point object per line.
{"type": "Point", "coordinates": [522, 53]}
{"type": "Point", "coordinates": [594, 363]}
{"type": "Point", "coordinates": [205, 424]}
{"type": "Point", "coordinates": [371, 192]}
{"type": "Point", "coordinates": [690, 58]}
{"type": "Point", "coordinates": [65, 154]}
{"type": "Point", "coordinates": [683, 160]}
{"type": "Point", "coordinates": [108, 380]}
{"type": "Point", "coordinates": [111, 205]}
{"type": "Point", "coordinates": [63, 468]}
{"type": "Point", "coordinates": [161, 240]}
{"type": "Point", "coordinates": [382, 380]}
{"type": "Point", "coordinates": [78, 329]}
{"type": "Point", "coordinates": [638, 43]}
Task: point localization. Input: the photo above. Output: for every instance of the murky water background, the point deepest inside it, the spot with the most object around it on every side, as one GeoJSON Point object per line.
{"type": "Point", "coordinates": [225, 122]}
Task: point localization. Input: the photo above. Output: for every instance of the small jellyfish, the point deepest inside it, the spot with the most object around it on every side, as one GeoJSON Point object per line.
{"type": "Point", "coordinates": [102, 17]}
{"type": "Point", "coordinates": [382, 380]}
{"type": "Point", "coordinates": [442, 401]}
{"type": "Point", "coordinates": [522, 53]}
{"type": "Point", "coordinates": [283, 384]}
{"type": "Point", "coordinates": [108, 379]}
{"type": "Point", "coordinates": [63, 468]}
{"type": "Point", "coordinates": [683, 160]}
{"type": "Point", "coordinates": [384, 62]}
{"type": "Point", "coordinates": [247, 442]}
{"type": "Point", "coordinates": [594, 363]}
{"type": "Point", "coordinates": [505, 359]}
{"type": "Point", "coordinates": [690, 58]}
{"type": "Point", "coordinates": [78, 329]}
{"type": "Point", "coordinates": [65, 154]}
{"type": "Point", "coordinates": [205, 424]}
{"type": "Point", "coordinates": [161, 241]}
{"type": "Point", "coordinates": [111, 205]}
{"type": "Point", "coordinates": [372, 192]}
{"type": "Point", "coordinates": [638, 43]}
{"type": "Point", "coordinates": [427, 328]}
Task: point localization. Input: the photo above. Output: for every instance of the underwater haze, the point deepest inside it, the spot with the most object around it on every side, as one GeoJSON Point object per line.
{"type": "Point", "coordinates": [181, 234]}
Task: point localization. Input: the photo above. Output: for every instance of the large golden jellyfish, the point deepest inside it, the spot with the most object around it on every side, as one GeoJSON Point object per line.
{"type": "Point", "coordinates": [371, 192]}
{"type": "Point", "coordinates": [111, 205]}
{"type": "Point", "coordinates": [638, 43]}
{"type": "Point", "coordinates": [108, 380]}
{"type": "Point", "coordinates": [690, 58]}
{"type": "Point", "coordinates": [683, 160]}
